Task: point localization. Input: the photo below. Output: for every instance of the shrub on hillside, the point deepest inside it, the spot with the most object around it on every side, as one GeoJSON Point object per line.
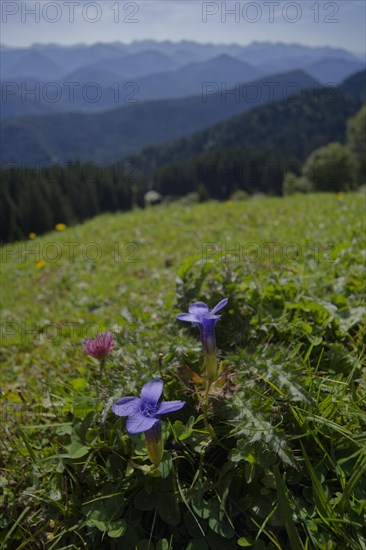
{"type": "Point", "coordinates": [331, 168]}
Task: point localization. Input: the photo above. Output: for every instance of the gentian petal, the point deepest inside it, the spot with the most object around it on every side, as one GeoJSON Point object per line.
{"type": "Point", "coordinates": [170, 406]}
{"type": "Point", "coordinates": [152, 391]}
{"type": "Point", "coordinates": [126, 406]}
{"type": "Point", "coordinates": [139, 423]}
{"type": "Point", "coordinates": [219, 306]}
{"type": "Point", "coordinates": [187, 317]}
{"type": "Point", "coordinates": [199, 308]}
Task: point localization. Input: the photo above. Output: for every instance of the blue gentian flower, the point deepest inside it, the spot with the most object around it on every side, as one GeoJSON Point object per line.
{"type": "Point", "coordinates": [143, 411]}
{"type": "Point", "coordinates": [201, 316]}
{"type": "Point", "coordinates": [143, 415]}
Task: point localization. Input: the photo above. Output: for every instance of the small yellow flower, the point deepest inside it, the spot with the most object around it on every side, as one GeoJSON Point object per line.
{"type": "Point", "coordinates": [32, 235]}
{"type": "Point", "coordinates": [60, 227]}
{"type": "Point", "coordinates": [340, 195]}
{"type": "Point", "coordinates": [40, 264]}
{"type": "Point", "coordinates": [229, 204]}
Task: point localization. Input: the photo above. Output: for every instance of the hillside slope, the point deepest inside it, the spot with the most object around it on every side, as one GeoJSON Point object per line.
{"type": "Point", "coordinates": [289, 399]}
{"type": "Point", "coordinates": [292, 127]}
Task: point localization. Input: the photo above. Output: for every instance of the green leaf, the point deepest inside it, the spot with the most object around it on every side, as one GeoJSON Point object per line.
{"type": "Point", "coordinates": [218, 522]}
{"type": "Point", "coordinates": [244, 542]}
{"type": "Point", "coordinates": [100, 518]}
{"type": "Point", "coordinates": [117, 528]}
{"type": "Point", "coordinates": [144, 501]}
{"type": "Point", "coordinates": [249, 472]}
{"type": "Point", "coordinates": [82, 406]}
{"type": "Point", "coordinates": [168, 508]}
{"type": "Point", "coordinates": [98, 523]}
{"type": "Point", "coordinates": [200, 506]}
{"type": "Point", "coordinates": [222, 527]}
{"type": "Point", "coordinates": [165, 465]}
{"type": "Point", "coordinates": [358, 472]}
{"type": "Point", "coordinates": [191, 524]}
{"type": "Point", "coordinates": [348, 319]}
{"type": "Point", "coordinates": [296, 543]}
{"type": "Point", "coordinates": [77, 450]}
{"type": "Point", "coordinates": [162, 544]}
{"type": "Point", "coordinates": [64, 429]}
{"type": "Point", "coordinates": [78, 384]}
{"type": "Point", "coordinates": [183, 431]}
{"type": "Point", "coordinates": [321, 498]}
{"type": "Point", "coordinates": [55, 494]}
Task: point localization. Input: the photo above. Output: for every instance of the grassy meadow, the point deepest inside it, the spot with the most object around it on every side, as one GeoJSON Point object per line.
{"type": "Point", "coordinates": [274, 460]}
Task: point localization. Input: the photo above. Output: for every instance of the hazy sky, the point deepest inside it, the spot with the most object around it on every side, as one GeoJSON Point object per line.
{"type": "Point", "coordinates": [340, 23]}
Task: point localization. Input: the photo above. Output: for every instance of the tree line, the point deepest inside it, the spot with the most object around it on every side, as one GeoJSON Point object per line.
{"type": "Point", "coordinates": [35, 200]}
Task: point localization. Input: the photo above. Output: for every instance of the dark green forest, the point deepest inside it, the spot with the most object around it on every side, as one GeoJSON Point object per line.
{"type": "Point", "coordinates": [36, 200]}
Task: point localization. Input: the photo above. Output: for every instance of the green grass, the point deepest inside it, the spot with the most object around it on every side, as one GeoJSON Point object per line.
{"type": "Point", "coordinates": [286, 468]}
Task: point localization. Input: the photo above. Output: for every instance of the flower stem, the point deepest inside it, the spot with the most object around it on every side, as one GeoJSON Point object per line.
{"type": "Point", "coordinates": [102, 367]}
{"type": "Point", "coordinates": [208, 426]}
{"type": "Point", "coordinates": [211, 366]}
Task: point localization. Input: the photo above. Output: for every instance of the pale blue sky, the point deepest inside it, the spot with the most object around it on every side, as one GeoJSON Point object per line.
{"type": "Point", "coordinates": [309, 22]}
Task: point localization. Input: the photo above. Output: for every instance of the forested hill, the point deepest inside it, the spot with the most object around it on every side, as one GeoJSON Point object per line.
{"type": "Point", "coordinates": [355, 85]}
{"type": "Point", "coordinates": [291, 128]}
{"type": "Point", "coordinates": [109, 136]}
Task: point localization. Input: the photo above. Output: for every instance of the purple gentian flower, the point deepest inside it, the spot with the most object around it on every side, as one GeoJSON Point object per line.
{"type": "Point", "coordinates": [201, 316]}
{"type": "Point", "coordinates": [143, 411]}
{"type": "Point", "coordinates": [100, 346]}
{"type": "Point", "coordinates": [143, 415]}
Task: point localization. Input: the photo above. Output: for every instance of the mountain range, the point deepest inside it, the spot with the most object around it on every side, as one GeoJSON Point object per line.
{"type": "Point", "coordinates": [48, 79]}
{"type": "Point", "coordinates": [31, 97]}
{"type": "Point", "coordinates": [17, 62]}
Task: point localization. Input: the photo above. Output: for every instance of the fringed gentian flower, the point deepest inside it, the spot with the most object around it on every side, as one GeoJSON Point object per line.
{"type": "Point", "coordinates": [143, 416]}
{"type": "Point", "coordinates": [200, 315]}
